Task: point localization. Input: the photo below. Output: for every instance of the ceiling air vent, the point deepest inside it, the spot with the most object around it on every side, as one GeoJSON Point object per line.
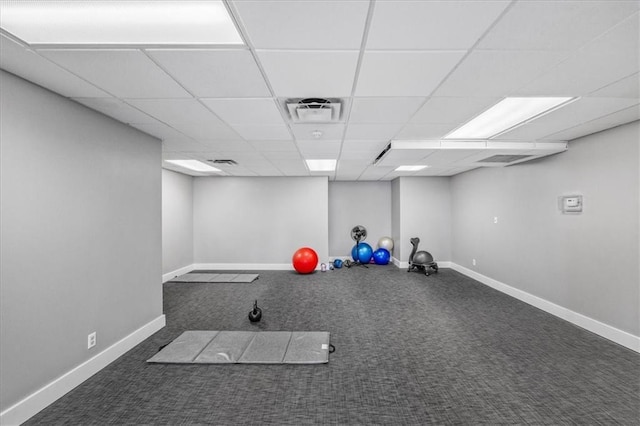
{"type": "Point", "coordinates": [227, 162]}
{"type": "Point", "coordinates": [314, 110]}
{"type": "Point", "coordinates": [502, 158]}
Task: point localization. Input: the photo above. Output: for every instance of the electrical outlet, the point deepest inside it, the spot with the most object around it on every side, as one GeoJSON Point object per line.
{"type": "Point", "coordinates": [91, 340]}
{"type": "Point", "coordinates": [474, 262]}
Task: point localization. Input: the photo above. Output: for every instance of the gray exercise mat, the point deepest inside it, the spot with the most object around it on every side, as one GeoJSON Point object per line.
{"type": "Point", "coordinates": [208, 277]}
{"type": "Point", "coordinates": [246, 347]}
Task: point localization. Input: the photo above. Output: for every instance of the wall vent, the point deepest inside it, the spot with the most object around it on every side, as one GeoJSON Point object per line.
{"type": "Point", "coordinates": [504, 158]}
{"type": "Point", "coordinates": [314, 110]}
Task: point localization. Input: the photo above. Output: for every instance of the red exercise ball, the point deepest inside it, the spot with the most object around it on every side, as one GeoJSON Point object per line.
{"type": "Point", "coordinates": [305, 260]}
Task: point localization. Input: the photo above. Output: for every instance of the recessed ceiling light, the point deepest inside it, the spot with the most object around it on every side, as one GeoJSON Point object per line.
{"type": "Point", "coordinates": [119, 22]}
{"type": "Point", "coordinates": [506, 115]}
{"type": "Point", "coordinates": [194, 165]}
{"type": "Point", "coordinates": [410, 168]}
{"type": "Point", "coordinates": [321, 165]}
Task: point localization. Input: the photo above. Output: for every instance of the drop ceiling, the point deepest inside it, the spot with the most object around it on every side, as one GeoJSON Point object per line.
{"type": "Point", "coordinates": [407, 73]}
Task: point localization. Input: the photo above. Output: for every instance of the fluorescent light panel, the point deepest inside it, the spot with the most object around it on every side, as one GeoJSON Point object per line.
{"type": "Point", "coordinates": [409, 168]}
{"type": "Point", "coordinates": [321, 165]}
{"type": "Point", "coordinates": [505, 115]}
{"type": "Point", "coordinates": [120, 22]}
{"type": "Point", "coordinates": [194, 165]}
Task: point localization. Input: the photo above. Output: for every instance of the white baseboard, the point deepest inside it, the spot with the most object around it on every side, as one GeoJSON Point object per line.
{"type": "Point", "coordinates": [40, 399]}
{"type": "Point", "coordinates": [173, 274]}
{"type": "Point", "coordinates": [618, 336]}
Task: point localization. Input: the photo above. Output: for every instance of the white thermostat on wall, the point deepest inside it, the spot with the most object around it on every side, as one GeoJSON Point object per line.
{"type": "Point", "coordinates": [572, 204]}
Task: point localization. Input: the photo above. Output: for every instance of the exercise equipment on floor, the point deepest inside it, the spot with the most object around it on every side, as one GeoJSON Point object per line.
{"type": "Point", "coordinates": [361, 252]}
{"type": "Point", "coordinates": [386, 243]}
{"type": "Point", "coordinates": [337, 263]}
{"type": "Point", "coordinates": [255, 314]}
{"type": "Point", "coordinates": [421, 260]}
{"type": "Point", "coordinates": [381, 256]}
{"type": "Point", "coordinates": [305, 260]}
{"type": "Point", "coordinates": [247, 347]}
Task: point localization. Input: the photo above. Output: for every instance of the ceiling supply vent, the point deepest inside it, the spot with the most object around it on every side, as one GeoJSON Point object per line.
{"type": "Point", "coordinates": [382, 154]}
{"type": "Point", "coordinates": [314, 110]}
{"type": "Point", "coordinates": [504, 158]}
{"type": "Point", "coordinates": [226, 162]}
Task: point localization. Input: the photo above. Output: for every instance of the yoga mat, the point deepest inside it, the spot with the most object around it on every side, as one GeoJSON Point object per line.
{"type": "Point", "coordinates": [246, 347]}
{"type": "Point", "coordinates": [214, 278]}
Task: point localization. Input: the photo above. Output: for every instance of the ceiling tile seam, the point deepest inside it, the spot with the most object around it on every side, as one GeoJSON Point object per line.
{"type": "Point", "coordinates": [193, 96]}
{"type": "Point", "coordinates": [636, 105]}
{"type": "Point", "coordinates": [471, 49]}
{"type": "Point", "coordinates": [575, 52]}
{"type": "Point", "coordinates": [354, 85]}
{"type": "Point", "coordinates": [237, 19]}
{"type": "Point", "coordinates": [637, 74]}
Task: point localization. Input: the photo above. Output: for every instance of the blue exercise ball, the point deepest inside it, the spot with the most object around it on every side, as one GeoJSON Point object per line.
{"type": "Point", "coordinates": [362, 253]}
{"type": "Point", "coordinates": [381, 256]}
{"type": "Point", "coordinates": [337, 263]}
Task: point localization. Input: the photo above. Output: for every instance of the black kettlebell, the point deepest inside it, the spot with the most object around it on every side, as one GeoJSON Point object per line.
{"type": "Point", "coordinates": [256, 313]}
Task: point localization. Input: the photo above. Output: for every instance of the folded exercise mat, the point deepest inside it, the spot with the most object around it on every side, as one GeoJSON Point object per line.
{"type": "Point", "coordinates": [206, 277]}
{"type": "Point", "coordinates": [246, 347]}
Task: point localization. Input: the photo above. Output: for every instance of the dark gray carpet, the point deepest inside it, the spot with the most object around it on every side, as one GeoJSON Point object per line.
{"type": "Point", "coordinates": [410, 349]}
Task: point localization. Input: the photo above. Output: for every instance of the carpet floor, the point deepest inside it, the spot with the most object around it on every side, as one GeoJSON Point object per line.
{"type": "Point", "coordinates": [410, 350]}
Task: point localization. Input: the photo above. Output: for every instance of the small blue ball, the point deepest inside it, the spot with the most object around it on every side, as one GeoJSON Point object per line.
{"type": "Point", "coordinates": [381, 256]}
{"type": "Point", "coordinates": [337, 263]}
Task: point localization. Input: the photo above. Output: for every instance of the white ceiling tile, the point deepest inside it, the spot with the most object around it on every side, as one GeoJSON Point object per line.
{"type": "Point", "coordinates": [282, 155]}
{"type": "Point", "coordinates": [424, 131]}
{"type": "Point", "coordinates": [608, 121]}
{"type": "Point", "coordinates": [451, 110]}
{"type": "Point", "coordinates": [372, 131]}
{"type": "Point", "coordinates": [211, 73]}
{"type": "Point", "coordinates": [573, 114]}
{"type": "Point", "coordinates": [431, 24]}
{"type": "Point", "coordinates": [359, 157]}
{"type": "Point", "coordinates": [117, 109]}
{"type": "Point", "coordinates": [404, 73]}
{"type": "Point", "coordinates": [122, 73]}
{"type": "Point", "coordinates": [609, 58]}
{"type": "Point", "coordinates": [364, 145]}
{"type": "Point", "coordinates": [29, 65]}
{"type": "Point", "coordinates": [274, 146]}
{"type": "Point", "coordinates": [384, 110]}
{"type": "Point", "coordinates": [375, 172]}
{"type": "Point", "coordinates": [159, 130]}
{"type": "Point", "coordinates": [227, 146]}
{"type": "Point", "coordinates": [263, 132]}
{"type": "Point", "coordinates": [555, 25]}
{"type": "Point", "coordinates": [176, 111]}
{"type": "Point", "coordinates": [329, 131]}
{"type": "Point", "coordinates": [304, 24]}
{"type": "Point", "coordinates": [628, 87]}
{"type": "Point", "coordinates": [181, 145]}
{"type": "Point", "coordinates": [319, 149]}
{"type": "Point", "coordinates": [315, 74]}
{"type": "Point", "coordinates": [495, 73]}
{"type": "Point", "coordinates": [246, 111]}
{"type": "Point", "coordinates": [207, 131]}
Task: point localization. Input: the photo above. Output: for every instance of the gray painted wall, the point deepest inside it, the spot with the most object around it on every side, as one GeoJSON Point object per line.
{"type": "Point", "coordinates": [587, 263]}
{"type": "Point", "coordinates": [424, 211]}
{"type": "Point", "coordinates": [177, 221]}
{"type": "Point", "coordinates": [358, 203]}
{"type": "Point", "coordinates": [81, 246]}
{"type": "Point", "coordinates": [243, 220]}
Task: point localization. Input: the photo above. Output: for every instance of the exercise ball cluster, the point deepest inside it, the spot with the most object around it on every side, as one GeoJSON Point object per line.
{"type": "Point", "coordinates": [305, 260]}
